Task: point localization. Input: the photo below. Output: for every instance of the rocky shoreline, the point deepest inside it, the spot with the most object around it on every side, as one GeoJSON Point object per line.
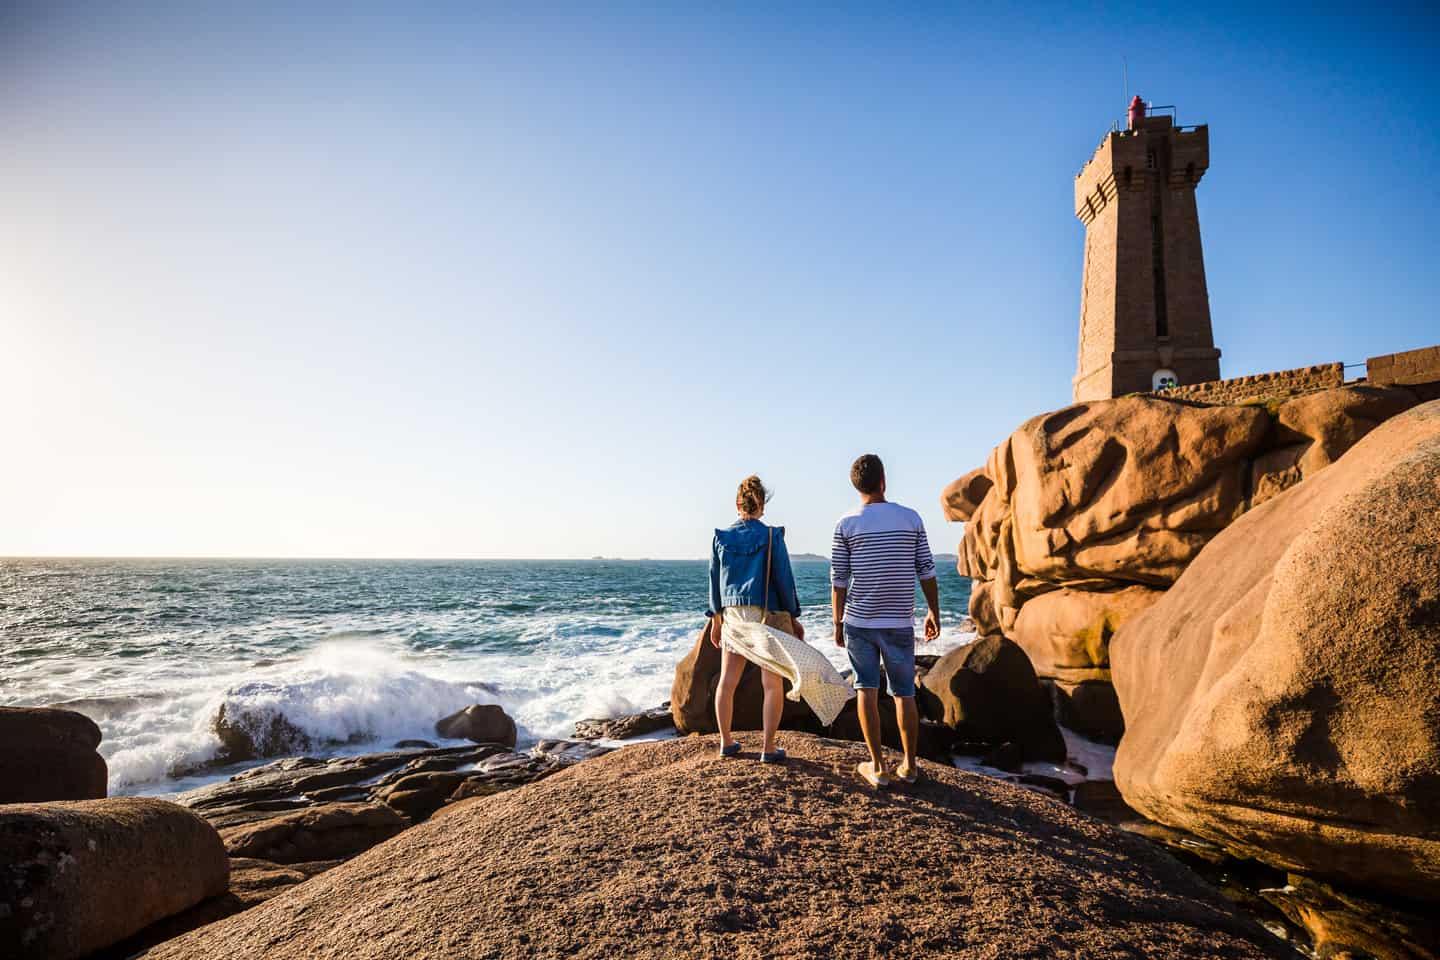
{"type": "Point", "coordinates": [1246, 598]}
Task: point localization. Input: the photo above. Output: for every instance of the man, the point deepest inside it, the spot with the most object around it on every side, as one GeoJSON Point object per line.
{"type": "Point", "coordinates": [878, 551]}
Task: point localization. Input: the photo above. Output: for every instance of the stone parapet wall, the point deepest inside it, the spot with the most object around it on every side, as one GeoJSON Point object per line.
{"type": "Point", "coordinates": [1411, 367]}
{"type": "Point", "coordinates": [1264, 386]}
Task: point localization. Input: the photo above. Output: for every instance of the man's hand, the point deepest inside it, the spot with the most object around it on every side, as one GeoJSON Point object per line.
{"type": "Point", "coordinates": [837, 606]}
{"type": "Point", "coordinates": [931, 590]}
{"type": "Point", "coordinates": [799, 628]}
{"type": "Point", "coordinates": [712, 630]}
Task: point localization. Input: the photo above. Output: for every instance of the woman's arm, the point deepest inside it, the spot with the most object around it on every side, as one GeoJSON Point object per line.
{"type": "Point", "coordinates": [783, 577]}
{"type": "Point", "coordinates": [714, 610]}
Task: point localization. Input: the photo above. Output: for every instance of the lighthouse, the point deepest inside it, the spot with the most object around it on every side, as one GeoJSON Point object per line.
{"type": "Point", "coordinates": [1144, 308]}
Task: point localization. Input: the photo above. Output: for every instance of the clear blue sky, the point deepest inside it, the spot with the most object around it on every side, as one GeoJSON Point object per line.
{"type": "Point", "coordinates": [431, 281]}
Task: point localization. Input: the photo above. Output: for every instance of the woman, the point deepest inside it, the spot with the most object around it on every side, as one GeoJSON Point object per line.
{"type": "Point", "coordinates": [752, 593]}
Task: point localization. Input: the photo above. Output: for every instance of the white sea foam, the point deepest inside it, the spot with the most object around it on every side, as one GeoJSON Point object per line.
{"type": "Point", "coordinates": [366, 690]}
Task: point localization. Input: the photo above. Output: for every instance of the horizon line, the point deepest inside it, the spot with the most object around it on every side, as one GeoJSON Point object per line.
{"type": "Point", "coordinates": [590, 559]}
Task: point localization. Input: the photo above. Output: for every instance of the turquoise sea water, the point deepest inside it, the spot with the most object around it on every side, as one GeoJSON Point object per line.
{"type": "Point", "coordinates": [363, 652]}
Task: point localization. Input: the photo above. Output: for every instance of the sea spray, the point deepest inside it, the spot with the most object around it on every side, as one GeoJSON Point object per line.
{"type": "Point", "coordinates": [355, 654]}
{"type": "Point", "coordinates": [341, 693]}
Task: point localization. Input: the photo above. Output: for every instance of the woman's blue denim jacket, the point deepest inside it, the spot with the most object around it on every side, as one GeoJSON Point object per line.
{"type": "Point", "coordinates": [737, 569]}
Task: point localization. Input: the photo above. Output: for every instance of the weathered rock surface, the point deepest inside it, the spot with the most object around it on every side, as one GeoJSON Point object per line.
{"type": "Point", "coordinates": [79, 876]}
{"type": "Point", "coordinates": [1314, 431]}
{"type": "Point", "coordinates": [570, 751]}
{"type": "Point", "coordinates": [411, 783]}
{"type": "Point", "coordinates": [327, 831]}
{"type": "Point", "coordinates": [988, 691]}
{"type": "Point", "coordinates": [480, 722]}
{"type": "Point", "coordinates": [621, 728]}
{"type": "Point", "coordinates": [1121, 490]}
{"type": "Point", "coordinates": [1066, 633]}
{"type": "Point", "coordinates": [48, 754]}
{"type": "Point", "coordinates": [594, 862]}
{"type": "Point", "coordinates": [252, 882]}
{"type": "Point", "coordinates": [1110, 494]}
{"type": "Point", "coordinates": [1283, 698]}
{"type": "Point", "coordinates": [962, 498]}
{"type": "Point", "coordinates": [1341, 925]}
{"type": "Point", "coordinates": [1089, 707]}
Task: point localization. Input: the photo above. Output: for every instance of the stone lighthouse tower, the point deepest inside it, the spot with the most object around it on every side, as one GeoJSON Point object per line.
{"type": "Point", "coordinates": [1144, 309]}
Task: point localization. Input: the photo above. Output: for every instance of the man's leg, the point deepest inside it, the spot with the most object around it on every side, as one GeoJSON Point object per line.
{"type": "Point", "coordinates": [869, 709]}
{"type": "Point", "coordinates": [864, 654]}
{"type": "Point", "coordinates": [897, 648]}
{"type": "Point", "coordinates": [908, 719]}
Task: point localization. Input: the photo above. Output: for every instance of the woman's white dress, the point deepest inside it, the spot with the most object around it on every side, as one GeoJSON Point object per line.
{"type": "Point", "coordinates": [813, 678]}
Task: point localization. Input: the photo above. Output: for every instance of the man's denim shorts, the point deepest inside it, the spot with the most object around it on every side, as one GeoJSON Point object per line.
{"type": "Point", "coordinates": [868, 646]}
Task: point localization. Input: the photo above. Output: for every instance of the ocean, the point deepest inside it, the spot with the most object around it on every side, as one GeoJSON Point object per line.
{"type": "Point", "coordinates": [357, 653]}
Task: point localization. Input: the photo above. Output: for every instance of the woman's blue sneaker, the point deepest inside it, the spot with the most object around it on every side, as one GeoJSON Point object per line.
{"type": "Point", "coordinates": [731, 751]}
{"type": "Point", "coordinates": [775, 757]}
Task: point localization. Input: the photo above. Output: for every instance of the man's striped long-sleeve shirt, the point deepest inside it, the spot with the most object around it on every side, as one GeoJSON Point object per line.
{"type": "Point", "coordinates": [878, 552]}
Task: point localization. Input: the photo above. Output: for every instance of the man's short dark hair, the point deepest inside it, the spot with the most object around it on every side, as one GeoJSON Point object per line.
{"type": "Point", "coordinates": [868, 474]}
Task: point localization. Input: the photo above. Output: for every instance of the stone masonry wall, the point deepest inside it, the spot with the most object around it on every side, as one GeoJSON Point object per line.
{"type": "Point", "coordinates": [1265, 386]}
{"type": "Point", "coordinates": [1411, 367]}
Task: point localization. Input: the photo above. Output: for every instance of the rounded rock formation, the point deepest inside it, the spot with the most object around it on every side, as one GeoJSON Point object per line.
{"type": "Point", "coordinates": [1066, 633]}
{"type": "Point", "coordinates": [987, 690]}
{"type": "Point", "coordinates": [664, 850]}
{"type": "Point", "coordinates": [1283, 698]}
{"type": "Point", "coordinates": [49, 754]}
{"type": "Point", "coordinates": [252, 734]}
{"type": "Point", "coordinates": [480, 722]}
{"type": "Point", "coordinates": [84, 875]}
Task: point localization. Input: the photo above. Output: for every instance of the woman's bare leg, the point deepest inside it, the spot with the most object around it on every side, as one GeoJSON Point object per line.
{"type": "Point", "coordinates": [732, 665]}
{"type": "Point", "coordinates": [774, 686]}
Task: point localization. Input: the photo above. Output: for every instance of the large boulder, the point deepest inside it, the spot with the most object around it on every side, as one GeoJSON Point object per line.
{"type": "Point", "coordinates": [692, 696]}
{"type": "Point", "coordinates": [1107, 493]}
{"type": "Point", "coordinates": [988, 691]}
{"type": "Point", "coordinates": [49, 754]}
{"type": "Point", "coordinates": [1283, 698]}
{"type": "Point", "coordinates": [252, 733]}
{"type": "Point", "coordinates": [80, 876]}
{"type": "Point", "coordinates": [594, 862]}
{"type": "Point", "coordinates": [480, 722]}
{"type": "Point", "coordinates": [1118, 490]}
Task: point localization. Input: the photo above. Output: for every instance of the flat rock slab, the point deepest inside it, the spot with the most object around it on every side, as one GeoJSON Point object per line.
{"type": "Point", "coordinates": [621, 728]}
{"type": "Point", "coordinates": [414, 784]}
{"type": "Point", "coordinates": [665, 850]}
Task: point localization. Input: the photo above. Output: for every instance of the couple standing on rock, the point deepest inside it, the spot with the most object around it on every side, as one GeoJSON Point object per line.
{"type": "Point", "coordinates": [878, 551]}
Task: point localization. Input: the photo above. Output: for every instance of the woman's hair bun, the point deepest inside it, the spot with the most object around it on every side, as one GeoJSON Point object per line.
{"type": "Point", "coordinates": [752, 495]}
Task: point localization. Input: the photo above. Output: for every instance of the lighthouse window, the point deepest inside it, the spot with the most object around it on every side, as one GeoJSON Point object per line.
{"type": "Point", "coordinates": [1127, 176]}
{"type": "Point", "coordinates": [1150, 159]}
{"type": "Point", "coordinates": [1189, 173]}
{"type": "Point", "coordinates": [1157, 267]}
